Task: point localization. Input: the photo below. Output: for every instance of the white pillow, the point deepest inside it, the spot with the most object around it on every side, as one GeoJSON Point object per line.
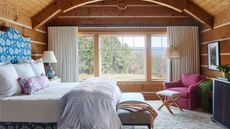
{"type": "Point", "coordinates": [4, 63]}
{"type": "Point", "coordinates": [8, 81]}
{"type": "Point", "coordinates": [24, 70]}
{"type": "Point", "coordinates": [38, 67]}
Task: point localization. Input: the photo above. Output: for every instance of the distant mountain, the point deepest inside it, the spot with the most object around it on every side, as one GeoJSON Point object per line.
{"type": "Point", "coordinates": [155, 51]}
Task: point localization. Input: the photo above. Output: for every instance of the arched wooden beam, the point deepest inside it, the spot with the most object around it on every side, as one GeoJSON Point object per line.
{"type": "Point", "coordinates": [189, 8]}
{"type": "Point", "coordinates": [59, 6]}
{"type": "Point", "coordinates": [56, 8]}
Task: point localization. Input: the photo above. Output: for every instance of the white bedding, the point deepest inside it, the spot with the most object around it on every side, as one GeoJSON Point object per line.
{"type": "Point", "coordinates": [41, 107]}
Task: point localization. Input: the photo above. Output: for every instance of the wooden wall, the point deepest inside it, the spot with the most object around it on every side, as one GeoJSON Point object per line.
{"type": "Point", "coordinates": [221, 33]}
{"type": "Point", "coordinates": [11, 18]}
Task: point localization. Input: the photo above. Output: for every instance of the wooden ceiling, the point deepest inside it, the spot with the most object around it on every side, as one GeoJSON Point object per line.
{"type": "Point", "coordinates": [26, 7]}
{"type": "Point", "coordinates": [214, 7]}
{"type": "Point", "coordinates": [42, 11]}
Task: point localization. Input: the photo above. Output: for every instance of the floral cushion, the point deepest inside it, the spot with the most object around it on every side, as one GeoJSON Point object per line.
{"type": "Point", "coordinates": [33, 84]}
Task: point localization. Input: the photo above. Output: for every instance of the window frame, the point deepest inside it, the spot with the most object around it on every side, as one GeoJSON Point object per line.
{"type": "Point", "coordinates": [147, 53]}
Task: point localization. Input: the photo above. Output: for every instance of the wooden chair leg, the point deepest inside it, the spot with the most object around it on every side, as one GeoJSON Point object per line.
{"type": "Point", "coordinates": [149, 126]}
{"type": "Point", "coordinates": [165, 103]}
{"type": "Point", "coordinates": [175, 103]}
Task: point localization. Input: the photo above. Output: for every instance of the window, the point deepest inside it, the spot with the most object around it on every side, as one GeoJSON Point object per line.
{"type": "Point", "coordinates": [122, 57]}
{"type": "Point", "coordinates": [86, 56]}
{"type": "Point", "coordinates": [159, 64]}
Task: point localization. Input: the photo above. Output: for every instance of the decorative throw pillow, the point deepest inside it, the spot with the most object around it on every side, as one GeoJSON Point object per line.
{"type": "Point", "coordinates": [38, 67]}
{"type": "Point", "coordinates": [24, 70]}
{"type": "Point", "coordinates": [33, 84]}
{"type": "Point", "coordinates": [8, 81]}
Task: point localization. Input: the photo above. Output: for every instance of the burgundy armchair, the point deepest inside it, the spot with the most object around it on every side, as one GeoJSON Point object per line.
{"type": "Point", "coordinates": [188, 86]}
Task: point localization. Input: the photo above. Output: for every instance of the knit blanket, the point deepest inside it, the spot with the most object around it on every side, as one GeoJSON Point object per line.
{"type": "Point", "coordinates": [91, 105]}
{"type": "Point", "coordinates": [138, 106]}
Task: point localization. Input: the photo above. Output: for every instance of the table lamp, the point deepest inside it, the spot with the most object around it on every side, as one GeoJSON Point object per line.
{"type": "Point", "coordinates": [49, 57]}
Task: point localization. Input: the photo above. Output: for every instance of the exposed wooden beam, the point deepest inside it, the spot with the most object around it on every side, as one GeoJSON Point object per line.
{"type": "Point", "coordinates": [199, 14]}
{"type": "Point", "coordinates": [140, 11]}
{"type": "Point", "coordinates": [111, 3]}
{"type": "Point", "coordinates": [67, 5]}
{"type": "Point", "coordinates": [119, 30]}
{"type": "Point", "coordinates": [188, 7]}
{"type": "Point", "coordinates": [177, 5]}
{"type": "Point", "coordinates": [123, 21]}
{"type": "Point", "coordinates": [45, 15]}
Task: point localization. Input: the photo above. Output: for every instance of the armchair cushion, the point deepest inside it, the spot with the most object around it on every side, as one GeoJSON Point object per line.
{"type": "Point", "coordinates": [190, 79]}
{"type": "Point", "coordinates": [172, 84]}
{"type": "Point", "coordinates": [183, 90]}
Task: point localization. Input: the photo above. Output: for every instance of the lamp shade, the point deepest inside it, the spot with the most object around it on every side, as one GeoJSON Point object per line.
{"type": "Point", "coordinates": [171, 53]}
{"type": "Point", "coordinates": [49, 57]}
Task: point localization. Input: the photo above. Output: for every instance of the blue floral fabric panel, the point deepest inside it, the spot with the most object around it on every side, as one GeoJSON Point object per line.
{"type": "Point", "coordinates": [24, 125]}
{"type": "Point", "coordinates": [14, 47]}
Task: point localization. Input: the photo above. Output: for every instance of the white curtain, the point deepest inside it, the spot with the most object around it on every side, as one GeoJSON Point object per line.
{"type": "Point", "coordinates": [185, 39]}
{"type": "Point", "coordinates": [63, 41]}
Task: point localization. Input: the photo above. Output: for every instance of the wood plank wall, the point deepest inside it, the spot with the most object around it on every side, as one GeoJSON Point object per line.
{"type": "Point", "coordinates": [221, 33]}
{"type": "Point", "coordinates": [10, 18]}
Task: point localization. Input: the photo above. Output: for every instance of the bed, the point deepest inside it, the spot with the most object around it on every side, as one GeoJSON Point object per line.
{"type": "Point", "coordinates": [28, 101]}
{"type": "Point", "coordinates": [43, 108]}
{"type": "Point", "coordinates": [40, 107]}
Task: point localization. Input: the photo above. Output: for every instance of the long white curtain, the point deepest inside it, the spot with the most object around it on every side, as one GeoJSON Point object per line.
{"type": "Point", "coordinates": [63, 41]}
{"type": "Point", "coordinates": [186, 41]}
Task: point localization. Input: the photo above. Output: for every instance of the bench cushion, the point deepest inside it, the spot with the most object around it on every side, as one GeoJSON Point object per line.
{"type": "Point", "coordinates": [131, 97]}
{"type": "Point", "coordinates": [133, 118]}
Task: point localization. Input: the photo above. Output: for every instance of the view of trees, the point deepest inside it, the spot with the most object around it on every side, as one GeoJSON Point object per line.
{"type": "Point", "coordinates": [118, 59]}
{"type": "Point", "coordinates": [86, 55]}
{"type": "Point", "coordinates": [115, 57]}
{"type": "Point", "coordinates": [159, 67]}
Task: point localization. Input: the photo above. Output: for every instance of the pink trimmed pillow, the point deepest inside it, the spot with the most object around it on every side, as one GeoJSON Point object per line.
{"type": "Point", "coordinates": [33, 84]}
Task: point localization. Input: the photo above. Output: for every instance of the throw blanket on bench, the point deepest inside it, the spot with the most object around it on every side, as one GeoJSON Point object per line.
{"type": "Point", "coordinates": [138, 106]}
{"type": "Point", "coordinates": [91, 105]}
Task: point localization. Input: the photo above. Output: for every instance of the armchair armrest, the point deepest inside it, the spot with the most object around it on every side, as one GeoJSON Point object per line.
{"type": "Point", "coordinates": [193, 87]}
{"type": "Point", "coordinates": [172, 84]}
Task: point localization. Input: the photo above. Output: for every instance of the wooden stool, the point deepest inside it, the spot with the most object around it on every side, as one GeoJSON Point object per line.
{"type": "Point", "coordinates": [172, 97]}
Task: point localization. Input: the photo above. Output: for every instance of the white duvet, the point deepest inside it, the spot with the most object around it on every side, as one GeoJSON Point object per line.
{"type": "Point", "coordinates": [41, 107]}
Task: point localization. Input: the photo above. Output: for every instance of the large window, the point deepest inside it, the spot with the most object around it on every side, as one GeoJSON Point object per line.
{"type": "Point", "coordinates": [122, 57]}
{"type": "Point", "coordinates": [159, 64]}
{"type": "Point", "coordinates": [86, 56]}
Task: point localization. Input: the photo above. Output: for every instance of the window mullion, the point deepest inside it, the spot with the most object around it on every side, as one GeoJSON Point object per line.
{"type": "Point", "coordinates": [96, 56]}
{"type": "Point", "coordinates": [148, 60]}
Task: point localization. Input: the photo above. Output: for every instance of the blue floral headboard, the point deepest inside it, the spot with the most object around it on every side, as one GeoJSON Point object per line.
{"type": "Point", "coordinates": [14, 47]}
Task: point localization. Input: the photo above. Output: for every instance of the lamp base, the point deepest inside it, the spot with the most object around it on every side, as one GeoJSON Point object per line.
{"type": "Point", "coordinates": [50, 72]}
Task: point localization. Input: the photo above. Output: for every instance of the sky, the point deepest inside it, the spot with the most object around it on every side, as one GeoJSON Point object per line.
{"type": "Point", "coordinates": [139, 41]}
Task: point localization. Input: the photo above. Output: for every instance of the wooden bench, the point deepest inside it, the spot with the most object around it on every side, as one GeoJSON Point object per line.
{"type": "Point", "coordinates": [134, 118]}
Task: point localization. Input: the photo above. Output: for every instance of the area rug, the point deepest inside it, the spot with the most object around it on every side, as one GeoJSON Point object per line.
{"type": "Point", "coordinates": [180, 120]}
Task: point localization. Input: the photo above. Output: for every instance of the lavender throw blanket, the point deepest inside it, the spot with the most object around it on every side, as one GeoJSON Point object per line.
{"type": "Point", "coordinates": [91, 105]}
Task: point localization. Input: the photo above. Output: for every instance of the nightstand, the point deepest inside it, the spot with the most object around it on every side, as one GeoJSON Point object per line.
{"type": "Point", "coordinates": [54, 81]}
